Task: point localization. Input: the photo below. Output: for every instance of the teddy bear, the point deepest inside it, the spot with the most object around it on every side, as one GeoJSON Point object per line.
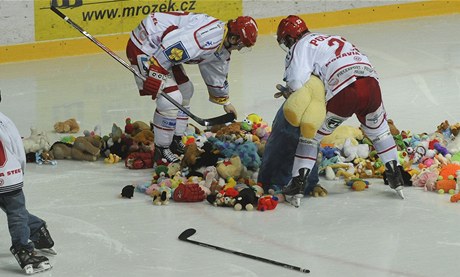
{"type": "Point", "coordinates": [306, 108]}
{"type": "Point", "coordinates": [230, 168]}
{"type": "Point", "coordinates": [84, 149]}
{"type": "Point", "coordinates": [162, 196]}
{"type": "Point", "coordinates": [342, 133]}
{"type": "Point", "coordinates": [191, 154]}
{"type": "Point", "coordinates": [68, 126]}
{"type": "Point", "coordinates": [37, 141]}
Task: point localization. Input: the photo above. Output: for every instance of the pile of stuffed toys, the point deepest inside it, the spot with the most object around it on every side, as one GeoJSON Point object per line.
{"type": "Point", "coordinates": [220, 164]}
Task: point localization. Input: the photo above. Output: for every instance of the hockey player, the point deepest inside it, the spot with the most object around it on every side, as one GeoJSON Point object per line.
{"type": "Point", "coordinates": [26, 230]}
{"type": "Point", "coordinates": [351, 86]}
{"type": "Point", "coordinates": [159, 47]}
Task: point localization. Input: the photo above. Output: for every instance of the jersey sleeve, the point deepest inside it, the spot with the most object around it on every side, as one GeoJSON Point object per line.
{"type": "Point", "coordinates": [190, 42]}
{"type": "Point", "coordinates": [214, 75]}
{"type": "Point", "coordinates": [299, 66]}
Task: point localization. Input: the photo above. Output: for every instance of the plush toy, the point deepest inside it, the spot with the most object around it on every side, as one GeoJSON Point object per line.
{"type": "Point", "coordinates": [246, 200]}
{"type": "Point", "coordinates": [112, 159]}
{"type": "Point", "coordinates": [358, 184]}
{"type": "Point", "coordinates": [318, 191]}
{"type": "Point", "coordinates": [162, 196]}
{"type": "Point", "coordinates": [351, 152]}
{"type": "Point", "coordinates": [68, 126]}
{"type": "Point", "coordinates": [455, 198]}
{"type": "Point", "coordinates": [36, 142]}
{"type": "Point", "coordinates": [306, 108]}
{"type": "Point", "coordinates": [127, 191]}
{"type": "Point", "coordinates": [426, 179]}
{"type": "Point", "coordinates": [139, 160]}
{"type": "Point", "coordinates": [446, 185]}
{"type": "Point", "coordinates": [267, 202]}
{"type": "Point", "coordinates": [393, 130]}
{"type": "Point", "coordinates": [342, 133]}
{"type": "Point", "coordinates": [83, 149]}
{"type": "Point", "coordinates": [230, 168]}
{"type": "Point", "coordinates": [191, 154]}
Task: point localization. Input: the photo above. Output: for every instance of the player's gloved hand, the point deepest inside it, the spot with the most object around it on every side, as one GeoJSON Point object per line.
{"type": "Point", "coordinates": [155, 79]}
{"type": "Point", "coordinates": [189, 193]}
{"type": "Point", "coordinates": [229, 108]}
{"type": "Point", "coordinates": [283, 91]}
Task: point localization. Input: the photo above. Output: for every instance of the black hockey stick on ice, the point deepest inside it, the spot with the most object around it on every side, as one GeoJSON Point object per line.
{"type": "Point", "coordinates": [189, 232]}
{"type": "Point", "coordinates": [229, 117]}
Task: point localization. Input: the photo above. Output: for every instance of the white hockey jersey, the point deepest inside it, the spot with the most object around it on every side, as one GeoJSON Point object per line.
{"type": "Point", "coordinates": [12, 156]}
{"type": "Point", "coordinates": [181, 37]}
{"type": "Point", "coordinates": [333, 59]}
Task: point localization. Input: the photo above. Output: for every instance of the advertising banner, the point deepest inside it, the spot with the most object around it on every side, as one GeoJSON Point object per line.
{"type": "Point", "coordinates": [101, 17]}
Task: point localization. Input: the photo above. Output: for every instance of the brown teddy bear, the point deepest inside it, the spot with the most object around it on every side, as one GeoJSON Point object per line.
{"type": "Point", "coordinates": [191, 154]}
{"type": "Point", "coordinates": [83, 149]}
{"type": "Point", "coordinates": [68, 126]}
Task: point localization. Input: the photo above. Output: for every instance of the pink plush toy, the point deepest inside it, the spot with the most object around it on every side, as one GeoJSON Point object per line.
{"type": "Point", "coordinates": [425, 179]}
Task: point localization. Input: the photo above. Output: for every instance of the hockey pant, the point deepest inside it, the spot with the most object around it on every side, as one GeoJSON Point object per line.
{"type": "Point", "coordinates": [363, 98]}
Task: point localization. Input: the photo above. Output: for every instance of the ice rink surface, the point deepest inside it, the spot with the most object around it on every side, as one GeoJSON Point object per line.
{"type": "Point", "coordinates": [356, 234]}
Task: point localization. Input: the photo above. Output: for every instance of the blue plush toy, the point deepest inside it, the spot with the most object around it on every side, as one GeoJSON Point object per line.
{"type": "Point", "coordinates": [247, 151]}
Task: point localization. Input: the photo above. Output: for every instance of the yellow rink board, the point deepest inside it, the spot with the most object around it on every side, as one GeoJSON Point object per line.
{"type": "Point", "coordinates": [81, 45]}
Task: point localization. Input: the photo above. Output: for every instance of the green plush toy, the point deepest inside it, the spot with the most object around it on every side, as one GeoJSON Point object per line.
{"type": "Point", "coordinates": [306, 107]}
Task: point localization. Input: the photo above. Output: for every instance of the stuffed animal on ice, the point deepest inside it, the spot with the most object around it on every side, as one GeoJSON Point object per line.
{"type": "Point", "coordinates": [68, 126]}
{"type": "Point", "coordinates": [36, 142]}
{"type": "Point", "coordinates": [306, 108]}
{"type": "Point", "coordinates": [341, 134]}
{"type": "Point", "coordinates": [83, 149]}
{"type": "Point", "coordinates": [351, 152]}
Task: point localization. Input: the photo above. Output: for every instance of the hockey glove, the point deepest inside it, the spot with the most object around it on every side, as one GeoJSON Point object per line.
{"type": "Point", "coordinates": [155, 79]}
{"type": "Point", "coordinates": [189, 193]}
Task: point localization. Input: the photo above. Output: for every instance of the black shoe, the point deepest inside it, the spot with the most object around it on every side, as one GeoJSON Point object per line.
{"type": "Point", "coordinates": [394, 177]}
{"type": "Point", "coordinates": [44, 241]}
{"type": "Point", "coordinates": [165, 153]}
{"type": "Point", "coordinates": [29, 261]}
{"type": "Point", "coordinates": [177, 146]}
{"type": "Point", "coordinates": [297, 184]}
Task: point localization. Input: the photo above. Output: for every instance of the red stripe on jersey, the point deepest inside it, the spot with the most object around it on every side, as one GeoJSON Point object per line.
{"type": "Point", "coordinates": [197, 43]}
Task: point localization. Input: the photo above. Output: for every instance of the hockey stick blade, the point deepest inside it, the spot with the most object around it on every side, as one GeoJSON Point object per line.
{"type": "Point", "coordinates": [204, 122]}
{"type": "Point", "coordinates": [185, 235]}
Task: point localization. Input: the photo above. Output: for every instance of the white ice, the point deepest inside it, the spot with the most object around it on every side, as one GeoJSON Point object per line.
{"type": "Point", "coordinates": [358, 234]}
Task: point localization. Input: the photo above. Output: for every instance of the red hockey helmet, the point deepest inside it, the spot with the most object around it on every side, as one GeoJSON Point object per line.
{"type": "Point", "coordinates": [245, 27]}
{"type": "Point", "coordinates": [290, 30]}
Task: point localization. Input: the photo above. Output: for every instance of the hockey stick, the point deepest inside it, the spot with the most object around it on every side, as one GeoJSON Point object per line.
{"type": "Point", "coordinates": [229, 117]}
{"type": "Point", "coordinates": [184, 236]}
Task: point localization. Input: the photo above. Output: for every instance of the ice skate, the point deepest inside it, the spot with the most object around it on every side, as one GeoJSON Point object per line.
{"type": "Point", "coordinates": [29, 261]}
{"type": "Point", "coordinates": [44, 243]}
{"type": "Point", "coordinates": [177, 146]}
{"type": "Point", "coordinates": [394, 178]}
{"type": "Point", "coordinates": [165, 153]}
{"type": "Point", "coordinates": [295, 190]}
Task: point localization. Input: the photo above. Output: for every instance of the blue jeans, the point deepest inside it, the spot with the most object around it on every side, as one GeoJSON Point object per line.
{"type": "Point", "coordinates": [21, 223]}
{"type": "Point", "coordinates": [276, 169]}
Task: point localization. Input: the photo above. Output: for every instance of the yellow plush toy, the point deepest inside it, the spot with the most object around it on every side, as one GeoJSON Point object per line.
{"type": "Point", "coordinates": [306, 107]}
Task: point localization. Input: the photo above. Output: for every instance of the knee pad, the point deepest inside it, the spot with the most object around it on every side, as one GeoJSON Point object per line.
{"type": "Point", "coordinates": [165, 107]}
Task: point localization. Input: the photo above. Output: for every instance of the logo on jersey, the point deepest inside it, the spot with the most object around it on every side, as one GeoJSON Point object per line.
{"type": "Point", "coordinates": [176, 53]}
{"type": "Point", "coordinates": [333, 122]}
{"type": "Point", "coordinates": [333, 82]}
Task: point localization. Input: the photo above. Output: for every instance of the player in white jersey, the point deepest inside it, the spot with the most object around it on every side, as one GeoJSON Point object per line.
{"type": "Point", "coordinates": [26, 230]}
{"type": "Point", "coordinates": [351, 88]}
{"type": "Point", "coordinates": [159, 47]}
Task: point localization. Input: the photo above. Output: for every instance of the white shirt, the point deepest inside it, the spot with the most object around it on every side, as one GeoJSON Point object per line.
{"type": "Point", "coordinates": [12, 156]}
{"type": "Point", "coordinates": [333, 59]}
{"type": "Point", "coordinates": [180, 37]}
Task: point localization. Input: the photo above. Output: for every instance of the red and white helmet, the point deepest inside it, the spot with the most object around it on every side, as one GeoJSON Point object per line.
{"type": "Point", "coordinates": [290, 30]}
{"type": "Point", "coordinates": [245, 27]}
